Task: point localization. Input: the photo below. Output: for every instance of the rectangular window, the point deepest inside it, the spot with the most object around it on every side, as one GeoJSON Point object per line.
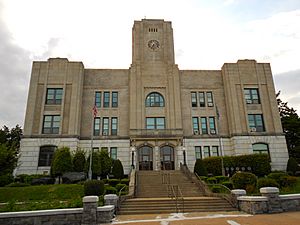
{"type": "Point", "coordinates": [210, 101]}
{"type": "Point", "coordinates": [206, 151]}
{"type": "Point", "coordinates": [155, 123]}
{"type": "Point", "coordinates": [114, 126]}
{"type": "Point", "coordinates": [51, 124]}
{"type": "Point", "coordinates": [114, 99]}
{"type": "Point", "coordinates": [105, 126]}
{"type": "Point", "coordinates": [214, 150]}
{"type": "Point", "coordinates": [212, 125]}
{"type": "Point", "coordinates": [54, 96]}
{"type": "Point", "coordinates": [204, 125]}
{"type": "Point", "coordinates": [97, 126]}
{"type": "Point", "coordinates": [194, 99]}
{"type": "Point", "coordinates": [113, 153]}
{"type": "Point", "coordinates": [106, 99]}
{"type": "Point", "coordinates": [251, 96]}
{"type": "Point", "coordinates": [198, 153]}
{"type": "Point", "coordinates": [256, 123]}
{"type": "Point", "coordinates": [201, 99]}
{"type": "Point", "coordinates": [98, 96]}
{"type": "Point", "coordinates": [195, 126]}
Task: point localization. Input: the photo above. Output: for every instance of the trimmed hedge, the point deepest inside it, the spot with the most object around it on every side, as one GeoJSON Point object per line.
{"type": "Point", "coordinates": [110, 190]}
{"type": "Point", "coordinates": [113, 182]}
{"type": "Point", "coordinates": [266, 182]}
{"type": "Point", "coordinates": [244, 180]}
{"type": "Point", "coordinates": [292, 166]}
{"type": "Point", "coordinates": [259, 164]}
{"type": "Point", "coordinates": [200, 168]}
{"type": "Point", "coordinates": [93, 187]}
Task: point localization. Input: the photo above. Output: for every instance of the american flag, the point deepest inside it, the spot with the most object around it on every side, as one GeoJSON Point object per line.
{"type": "Point", "coordinates": [95, 111]}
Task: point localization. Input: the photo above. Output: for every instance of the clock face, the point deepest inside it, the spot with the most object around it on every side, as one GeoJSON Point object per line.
{"type": "Point", "coordinates": [153, 44]}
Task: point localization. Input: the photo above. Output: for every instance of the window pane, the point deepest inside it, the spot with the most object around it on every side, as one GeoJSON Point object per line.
{"type": "Point", "coordinates": [251, 96]}
{"type": "Point", "coordinates": [256, 122]}
{"type": "Point", "coordinates": [194, 99]}
{"type": "Point", "coordinates": [198, 153]}
{"type": "Point", "coordinates": [210, 102]}
{"type": "Point", "coordinates": [114, 126]}
{"type": "Point", "coordinates": [204, 125]}
{"type": "Point", "coordinates": [160, 123]}
{"type": "Point", "coordinates": [51, 124]}
{"type": "Point", "coordinates": [201, 99]}
{"type": "Point", "coordinates": [46, 155]}
{"type": "Point", "coordinates": [150, 123]}
{"type": "Point", "coordinates": [54, 96]}
{"type": "Point", "coordinates": [113, 153]}
{"type": "Point", "coordinates": [106, 99]}
{"type": "Point", "coordinates": [212, 125]}
{"type": "Point", "coordinates": [97, 126]}
{"type": "Point", "coordinates": [206, 152]}
{"type": "Point", "coordinates": [260, 148]}
{"type": "Point", "coordinates": [155, 99]}
{"type": "Point", "coordinates": [98, 99]}
{"type": "Point", "coordinates": [215, 151]}
{"type": "Point", "coordinates": [105, 127]}
{"type": "Point", "coordinates": [114, 102]}
{"type": "Point", "coordinates": [195, 125]}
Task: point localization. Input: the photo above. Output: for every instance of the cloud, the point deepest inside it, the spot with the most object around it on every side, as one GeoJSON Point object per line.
{"type": "Point", "coordinates": [288, 84]}
{"type": "Point", "coordinates": [14, 78]}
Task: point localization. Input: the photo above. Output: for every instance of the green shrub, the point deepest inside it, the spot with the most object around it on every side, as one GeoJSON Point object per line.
{"type": "Point", "coordinates": [79, 160]}
{"type": "Point", "coordinates": [199, 168]}
{"type": "Point", "coordinates": [292, 166]}
{"type": "Point", "coordinates": [277, 176]}
{"type": "Point", "coordinates": [203, 178]}
{"type": "Point", "coordinates": [62, 162]}
{"type": "Point", "coordinates": [243, 180]}
{"type": "Point", "coordinates": [221, 179]}
{"type": "Point", "coordinates": [211, 180]}
{"type": "Point", "coordinates": [288, 181]}
{"type": "Point", "coordinates": [228, 184]}
{"type": "Point", "coordinates": [110, 190]}
{"type": "Point", "coordinates": [17, 185]}
{"type": "Point", "coordinates": [125, 181]}
{"type": "Point", "coordinates": [216, 189]}
{"type": "Point", "coordinates": [6, 179]}
{"type": "Point", "coordinates": [106, 163]}
{"type": "Point", "coordinates": [113, 182]}
{"type": "Point", "coordinates": [93, 187]}
{"type": "Point", "coordinates": [117, 169]}
{"type": "Point", "coordinates": [120, 186]}
{"type": "Point", "coordinates": [213, 166]}
{"type": "Point", "coordinates": [266, 182]}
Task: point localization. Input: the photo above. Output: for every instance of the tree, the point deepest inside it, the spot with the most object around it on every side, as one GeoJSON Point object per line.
{"type": "Point", "coordinates": [96, 165]}
{"type": "Point", "coordinates": [79, 160]}
{"type": "Point", "coordinates": [9, 151]}
{"type": "Point", "coordinates": [105, 162]}
{"type": "Point", "coordinates": [199, 168]}
{"type": "Point", "coordinates": [62, 162]}
{"type": "Point", "coordinates": [291, 127]}
{"type": "Point", "coordinates": [117, 169]}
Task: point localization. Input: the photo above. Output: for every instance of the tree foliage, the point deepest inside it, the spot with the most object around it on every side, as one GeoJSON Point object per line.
{"type": "Point", "coordinates": [96, 165]}
{"type": "Point", "coordinates": [106, 163]}
{"type": "Point", "coordinates": [62, 162]}
{"type": "Point", "coordinates": [79, 160]}
{"type": "Point", "coordinates": [291, 127]}
{"type": "Point", "coordinates": [117, 169]}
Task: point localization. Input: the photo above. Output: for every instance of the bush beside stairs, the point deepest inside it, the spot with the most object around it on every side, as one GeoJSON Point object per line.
{"type": "Point", "coordinates": [152, 196]}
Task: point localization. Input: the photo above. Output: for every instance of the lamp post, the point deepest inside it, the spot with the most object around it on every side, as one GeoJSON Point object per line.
{"type": "Point", "coordinates": [220, 141]}
{"type": "Point", "coordinates": [132, 157]}
{"type": "Point", "coordinates": [184, 156]}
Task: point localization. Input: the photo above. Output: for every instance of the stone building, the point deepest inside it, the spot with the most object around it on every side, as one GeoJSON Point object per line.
{"type": "Point", "coordinates": [152, 114]}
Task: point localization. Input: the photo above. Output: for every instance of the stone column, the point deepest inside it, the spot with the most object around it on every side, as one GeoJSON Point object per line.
{"type": "Point", "coordinates": [272, 193]}
{"type": "Point", "coordinates": [89, 214]}
{"type": "Point", "coordinates": [235, 194]}
{"type": "Point", "coordinates": [156, 158]}
{"type": "Point", "coordinates": [111, 199]}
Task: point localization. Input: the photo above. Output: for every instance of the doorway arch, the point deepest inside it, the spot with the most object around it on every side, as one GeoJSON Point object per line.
{"type": "Point", "coordinates": [145, 155]}
{"type": "Point", "coordinates": [167, 158]}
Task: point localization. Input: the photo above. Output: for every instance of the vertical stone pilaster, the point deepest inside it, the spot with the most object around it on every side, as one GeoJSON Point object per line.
{"type": "Point", "coordinates": [89, 214]}
{"type": "Point", "coordinates": [111, 199]}
{"type": "Point", "coordinates": [156, 160]}
{"type": "Point", "coordinates": [274, 203]}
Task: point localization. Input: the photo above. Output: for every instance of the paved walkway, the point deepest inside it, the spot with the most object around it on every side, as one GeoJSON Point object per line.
{"type": "Point", "coordinates": [219, 218]}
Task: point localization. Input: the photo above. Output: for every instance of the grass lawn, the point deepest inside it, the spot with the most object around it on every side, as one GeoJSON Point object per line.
{"type": "Point", "coordinates": [41, 197]}
{"type": "Point", "coordinates": [292, 190]}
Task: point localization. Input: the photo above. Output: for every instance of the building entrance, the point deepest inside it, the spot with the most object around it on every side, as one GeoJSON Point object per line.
{"type": "Point", "coordinates": [167, 158]}
{"type": "Point", "coordinates": [145, 155]}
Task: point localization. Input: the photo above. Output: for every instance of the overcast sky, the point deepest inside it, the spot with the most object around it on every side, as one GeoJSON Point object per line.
{"type": "Point", "coordinates": [98, 33]}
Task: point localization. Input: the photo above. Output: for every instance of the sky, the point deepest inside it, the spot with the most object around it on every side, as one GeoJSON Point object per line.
{"type": "Point", "coordinates": [207, 34]}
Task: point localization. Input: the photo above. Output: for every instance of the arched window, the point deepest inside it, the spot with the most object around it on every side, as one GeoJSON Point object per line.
{"type": "Point", "coordinates": [46, 155]}
{"type": "Point", "coordinates": [155, 99]}
{"type": "Point", "coordinates": [260, 148]}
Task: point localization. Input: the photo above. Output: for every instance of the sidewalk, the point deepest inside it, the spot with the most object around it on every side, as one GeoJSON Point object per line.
{"type": "Point", "coordinates": [218, 218]}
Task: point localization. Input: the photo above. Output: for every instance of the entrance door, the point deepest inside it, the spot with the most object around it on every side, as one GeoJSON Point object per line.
{"type": "Point", "coordinates": [145, 158]}
{"type": "Point", "coordinates": [167, 158]}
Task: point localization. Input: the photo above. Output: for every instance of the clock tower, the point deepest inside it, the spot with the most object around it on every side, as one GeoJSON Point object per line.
{"type": "Point", "coordinates": [152, 42]}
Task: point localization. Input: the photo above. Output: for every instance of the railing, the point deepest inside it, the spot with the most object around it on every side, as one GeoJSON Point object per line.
{"type": "Point", "coordinates": [174, 191]}
{"type": "Point", "coordinates": [204, 187]}
{"type": "Point", "coordinates": [156, 132]}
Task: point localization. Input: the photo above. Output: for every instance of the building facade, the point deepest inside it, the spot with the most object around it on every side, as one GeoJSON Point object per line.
{"type": "Point", "coordinates": [152, 116]}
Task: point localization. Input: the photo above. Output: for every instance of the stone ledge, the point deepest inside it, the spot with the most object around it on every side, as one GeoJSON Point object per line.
{"type": "Point", "coordinates": [105, 208]}
{"type": "Point", "coordinates": [252, 198]}
{"type": "Point", "coordinates": [289, 197]}
{"type": "Point", "coordinates": [50, 212]}
{"type": "Point", "coordinates": [269, 190]}
{"type": "Point", "coordinates": [91, 198]}
{"type": "Point", "coordinates": [238, 192]}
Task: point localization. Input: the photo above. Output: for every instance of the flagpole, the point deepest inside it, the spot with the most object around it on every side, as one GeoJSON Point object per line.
{"type": "Point", "coordinates": [94, 111]}
{"type": "Point", "coordinates": [220, 141]}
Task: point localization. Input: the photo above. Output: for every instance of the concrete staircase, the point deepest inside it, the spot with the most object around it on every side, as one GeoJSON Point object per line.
{"type": "Point", "coordinates": [152, 196]}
